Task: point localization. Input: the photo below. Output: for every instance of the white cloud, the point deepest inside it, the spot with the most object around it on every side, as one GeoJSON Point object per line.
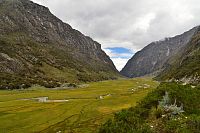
{"type": "Point", "coordinates": [39, 2]}
{"type": "Point", "coordinates": [116, 55]}
{"type": "Point", "coordinates": [134, 22]}
{"type": "Point", "coordinates": [130, 24]}
{"type": "Point", "coordinates": [119, 59]}
{"type": "Point", "coordinates": [119, 62]}
{"type": "Point", "coordinates": [143, 22]}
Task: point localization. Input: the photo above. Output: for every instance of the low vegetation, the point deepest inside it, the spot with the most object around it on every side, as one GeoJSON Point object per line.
{"type": "Point", "coordinates": [77, 108]}
{"type": "Point", "coordinates": [171, 108]}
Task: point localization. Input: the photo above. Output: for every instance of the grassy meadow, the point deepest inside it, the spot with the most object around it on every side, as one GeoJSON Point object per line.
{"type": "Point", "coordinates": [88, 107]}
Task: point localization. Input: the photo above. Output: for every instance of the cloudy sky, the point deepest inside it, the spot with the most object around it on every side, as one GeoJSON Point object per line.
{"type": "Point", "coordinates": [125, 26]}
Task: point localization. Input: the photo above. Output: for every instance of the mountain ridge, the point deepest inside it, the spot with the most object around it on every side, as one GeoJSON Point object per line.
{"type": "Point", "coordinates": [184, 66]}
{"type": "Point", "coordinates": [36, 47]}
{"type": "Point", "coordinates": [152, 58]}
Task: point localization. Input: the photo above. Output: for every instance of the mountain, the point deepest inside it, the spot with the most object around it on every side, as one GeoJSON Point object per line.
{"type": "Point", "coordinates": [154, 57]}
{"type": "Point", "coordinates": [38, 48]}
{"type": "Point", "coordinates": [185, 65]}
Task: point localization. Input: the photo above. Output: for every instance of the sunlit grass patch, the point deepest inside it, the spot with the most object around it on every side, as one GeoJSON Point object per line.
{"type": "Point", "coordinates": [84, 111]}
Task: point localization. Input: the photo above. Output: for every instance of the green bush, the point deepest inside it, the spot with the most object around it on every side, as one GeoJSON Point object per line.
{"type": "Point", "coordinates": [193, 123]}
{"type": "Point", "coordinates": [139, 119]}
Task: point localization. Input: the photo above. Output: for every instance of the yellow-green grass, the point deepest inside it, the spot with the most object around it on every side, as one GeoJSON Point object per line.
{"type": "Point", "coordinates": [83, 113]}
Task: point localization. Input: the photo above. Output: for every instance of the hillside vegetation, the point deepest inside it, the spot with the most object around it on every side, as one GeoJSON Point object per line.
{"type": "Point", "coordinates": [176, 112]}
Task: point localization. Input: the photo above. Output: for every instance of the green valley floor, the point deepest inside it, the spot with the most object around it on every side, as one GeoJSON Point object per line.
{"type": "Point", "coordinates": [76, 110]}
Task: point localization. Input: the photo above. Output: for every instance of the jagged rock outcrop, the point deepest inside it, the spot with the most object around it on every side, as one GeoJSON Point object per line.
{"type": "Point", "coordinates": [153, 58]}
{"type": "Point", "coordinates": [37, 47]}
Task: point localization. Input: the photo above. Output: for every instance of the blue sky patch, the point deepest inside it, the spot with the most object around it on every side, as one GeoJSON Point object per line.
{"type": "Point", "coordinates": [119, 55]}
{"type": "Point", "coordinates": [120, 50]}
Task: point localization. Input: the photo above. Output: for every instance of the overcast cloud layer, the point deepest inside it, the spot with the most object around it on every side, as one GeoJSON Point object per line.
{"type": "Point", "coordinates": [131, 24]}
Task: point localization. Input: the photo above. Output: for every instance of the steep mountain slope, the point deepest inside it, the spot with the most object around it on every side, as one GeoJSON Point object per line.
{"type": "Point", "coordinates": [185, 65]}
{"type": "Point", "coordinates": [152, 59]}
{"type": "Point", "coordinates": [38, 48]}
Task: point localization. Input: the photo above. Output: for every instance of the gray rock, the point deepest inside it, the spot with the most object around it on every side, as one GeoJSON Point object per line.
{"type": "Point", "coordinates": [153, 58]}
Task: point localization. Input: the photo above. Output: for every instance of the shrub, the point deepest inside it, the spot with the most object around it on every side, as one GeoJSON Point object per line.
{"type": "Point", "coordinates": [138, 119]}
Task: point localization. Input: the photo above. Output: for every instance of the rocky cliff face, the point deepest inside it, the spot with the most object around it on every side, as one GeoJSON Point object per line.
{"type": "Point", "coordinates": [37, 47]}
{"type": "Point", "coordinates": [154, 57]}
{"type": "Point", "coordinates": [185, 64]}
